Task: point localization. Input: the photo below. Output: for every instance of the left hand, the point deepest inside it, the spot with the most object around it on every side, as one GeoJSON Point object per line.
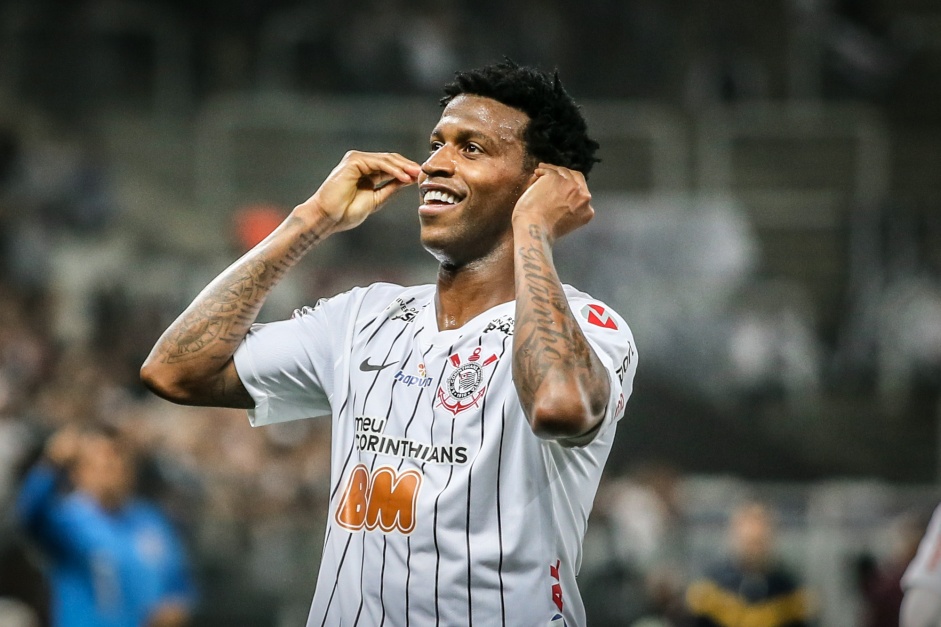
{"type": "Point", "coordinates": [558, 198]}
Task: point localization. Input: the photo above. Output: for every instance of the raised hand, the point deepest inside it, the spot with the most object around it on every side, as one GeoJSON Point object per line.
{"type": "Point", "coordinates": [561, 382]}
{"type": "Point", "coordinates": [360, 184]}
{"type": "Point", "coordinates": [192, 363]}
{"type": "Point", "coordinates": [558, 199]}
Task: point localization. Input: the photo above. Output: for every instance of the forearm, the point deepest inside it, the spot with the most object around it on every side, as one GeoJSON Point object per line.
{"type": "Point", "coordinates": [191, 363]}
{"type": "Point", "coordinates": [562, 385]}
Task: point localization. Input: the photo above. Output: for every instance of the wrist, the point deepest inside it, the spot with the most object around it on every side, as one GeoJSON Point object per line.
{"type": "Point", "coordinates": [532, 225]}
{"type": "Point", "coordinates": [311, 219]}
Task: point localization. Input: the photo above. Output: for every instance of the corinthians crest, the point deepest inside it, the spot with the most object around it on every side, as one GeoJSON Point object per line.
{"type": "Point", "coordinates": [465, 385]}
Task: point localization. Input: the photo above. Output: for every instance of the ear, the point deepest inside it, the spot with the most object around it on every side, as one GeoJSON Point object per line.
{"type": "Point", "coordinates": [522, 186]}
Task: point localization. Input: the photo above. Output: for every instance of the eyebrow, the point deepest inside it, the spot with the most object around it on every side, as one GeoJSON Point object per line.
{"type": "Point", "coordinates": [464, 135]}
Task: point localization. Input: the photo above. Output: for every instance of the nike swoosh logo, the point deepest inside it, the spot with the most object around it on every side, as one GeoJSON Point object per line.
{"type": "Point", "coordinates": [368, 367]}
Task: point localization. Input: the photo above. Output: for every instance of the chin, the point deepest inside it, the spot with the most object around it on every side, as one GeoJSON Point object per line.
{"type": "Point", "coordinates": [439, 253]}
{"type": "Point", "coordinates": [438, 243]}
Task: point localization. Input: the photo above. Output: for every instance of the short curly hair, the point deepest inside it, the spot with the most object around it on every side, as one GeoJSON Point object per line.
{"type": "Point", "coordinates": [556, 133]}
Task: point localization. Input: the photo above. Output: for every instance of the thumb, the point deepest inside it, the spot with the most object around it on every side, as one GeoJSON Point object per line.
{"type": "Point", "coordinates": [382, 194]}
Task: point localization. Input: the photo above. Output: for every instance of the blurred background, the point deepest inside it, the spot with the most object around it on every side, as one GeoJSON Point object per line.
{"type": "Point", "coordinates": [768, 222]}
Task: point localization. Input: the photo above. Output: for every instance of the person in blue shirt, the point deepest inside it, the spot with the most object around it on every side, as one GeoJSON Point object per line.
{"type": "Point", "coordinates": [114, 559]}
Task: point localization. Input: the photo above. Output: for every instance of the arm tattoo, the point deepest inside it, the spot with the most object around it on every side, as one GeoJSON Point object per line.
{"type": "Point", "coordinates": [549, 342]}
{"type": "Point", "coordinates": [214, 315]}
{"type": "Point", "coordinates": [217, 321]}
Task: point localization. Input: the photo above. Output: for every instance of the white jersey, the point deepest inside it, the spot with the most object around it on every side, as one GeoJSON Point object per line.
{"type": "Point", "coordinates": [925, 569]}
{"type": "Point", "coordinates": [445, 508]}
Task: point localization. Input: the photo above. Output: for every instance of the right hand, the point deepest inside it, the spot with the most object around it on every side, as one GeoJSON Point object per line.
{"type": "Point", "coordinates": [358, 186]}
{"type": "Point", "coordinates": [63, 447]}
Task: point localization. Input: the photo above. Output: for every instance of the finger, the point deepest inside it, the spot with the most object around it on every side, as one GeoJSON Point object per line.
{"type": "Point", "coordinates": [383, 193]}
{"type": "Point", "coordinates": [411, 167]}
{"type": "Point", "coordinates": [393, 164]}
{"type": "Point", "coordinates": [366, 163]}
{"type": "Point", "coordinates": [551, 167]}
{"type": "Point", "coordinates": [566, 173]}
{"type": "Point", "coordinates": [378, 180]}
{"type": "Point", "coordinates": [561, 172]}
{"type": "Point", "coordinates": [532, 179]}
{"type": "Point", "coordinates": [404, 169]}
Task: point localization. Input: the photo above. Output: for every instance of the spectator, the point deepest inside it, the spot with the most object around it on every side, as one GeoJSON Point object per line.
{"type": "Point", "coordinates": [115, 559]}
{"type": "Point", "coordinates": [750, 588]}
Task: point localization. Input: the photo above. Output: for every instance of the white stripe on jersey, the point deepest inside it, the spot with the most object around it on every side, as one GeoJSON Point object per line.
{"type": "Point", "coordinates": [445, 509]}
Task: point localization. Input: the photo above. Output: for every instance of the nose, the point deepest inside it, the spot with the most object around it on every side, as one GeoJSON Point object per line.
{"type": "Point", "coordinates": [440, 162]}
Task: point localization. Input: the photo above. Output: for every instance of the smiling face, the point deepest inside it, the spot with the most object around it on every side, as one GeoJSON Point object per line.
{"type": "Point", "coordinates": [477, 170]}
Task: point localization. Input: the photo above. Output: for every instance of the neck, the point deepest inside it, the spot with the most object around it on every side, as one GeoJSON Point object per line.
{"type": "Point", "coordinates": [464, 291]}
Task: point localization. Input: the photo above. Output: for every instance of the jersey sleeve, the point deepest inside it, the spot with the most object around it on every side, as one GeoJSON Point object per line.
{"type": "Point", "coordinates": [288, 366]}
{"type": "Point", "coordinates": [925, 570]}
{"type": "Point", "coordinates": [60, 524]}
{"type": "Point", "coordinates": [613, 343]}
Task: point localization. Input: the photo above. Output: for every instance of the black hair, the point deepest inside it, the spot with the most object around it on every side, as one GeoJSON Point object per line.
{"type": "Point", "coordinates": [556, 133]}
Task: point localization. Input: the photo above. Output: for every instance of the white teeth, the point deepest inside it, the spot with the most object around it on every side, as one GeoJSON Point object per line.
{"type": "Point", "coordinates": [437, 195]}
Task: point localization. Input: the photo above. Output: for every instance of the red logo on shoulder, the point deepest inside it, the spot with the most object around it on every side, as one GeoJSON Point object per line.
{"type": "Point", "coordinates": [599, 316]}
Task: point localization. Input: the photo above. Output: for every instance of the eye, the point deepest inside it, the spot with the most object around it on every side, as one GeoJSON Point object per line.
{"type": "Point", "coordinates": [435, 145]}
{"type": "Point", "coordinates": [472, 147]}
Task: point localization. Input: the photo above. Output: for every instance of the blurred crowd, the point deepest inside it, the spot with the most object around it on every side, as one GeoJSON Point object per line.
{"type": "Point", "coordinates": [70, 348]}
{"type": "Point", "coordinates": [251, 503]}
{"type": "Point", "coordinates": [652, 49]}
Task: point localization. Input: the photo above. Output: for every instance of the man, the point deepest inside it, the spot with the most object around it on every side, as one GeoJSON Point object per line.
{"type": "Point", "coordinates": [471, 418]}
{"type": "Point", "coordinates": [115, 560]}
{"type": "Point", "coordinates": [921, 603]}
{"type": "Point", "coordinates": [750, 588]}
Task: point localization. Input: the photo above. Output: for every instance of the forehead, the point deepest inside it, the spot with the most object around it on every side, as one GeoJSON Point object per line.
{"type": "Point", "coordinates": [484, 116]}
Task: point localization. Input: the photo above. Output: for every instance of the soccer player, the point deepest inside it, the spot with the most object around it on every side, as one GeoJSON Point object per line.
{"type": "Point", "coordinates": [471, 418]}
{"type": "Point", "coordinates": [921, 604]}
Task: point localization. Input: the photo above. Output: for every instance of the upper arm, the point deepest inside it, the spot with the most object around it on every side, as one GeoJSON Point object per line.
{"type": "Point", "coordinates": [222, 388]}
{"type": "Point", "coordinates": [228, 389]}
{"type": "Point", "coordinates": [612, 342]}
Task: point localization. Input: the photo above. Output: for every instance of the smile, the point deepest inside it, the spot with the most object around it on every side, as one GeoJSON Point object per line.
{"type": "Point", "coordinates": [436, 196]}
